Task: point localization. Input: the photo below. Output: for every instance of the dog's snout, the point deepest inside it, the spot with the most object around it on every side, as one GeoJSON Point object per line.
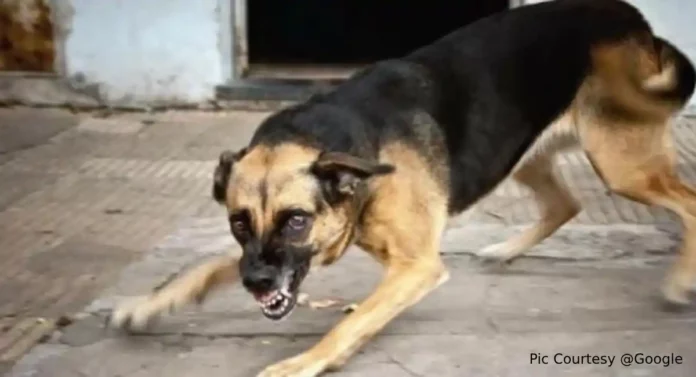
{"type": "Point", "coordinates": [261, 280]}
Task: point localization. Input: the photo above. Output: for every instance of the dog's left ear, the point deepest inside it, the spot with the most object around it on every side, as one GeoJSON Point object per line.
{"type": "Point", "coordinates": [344, 171]}
{"type": "Point", "coordinates": [223, 170]}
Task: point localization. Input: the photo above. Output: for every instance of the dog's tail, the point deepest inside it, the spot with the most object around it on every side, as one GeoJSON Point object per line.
{"type": "Point", "coordinates": [676, 80]}
{"type": "Point", "coordinates": [647, 77]}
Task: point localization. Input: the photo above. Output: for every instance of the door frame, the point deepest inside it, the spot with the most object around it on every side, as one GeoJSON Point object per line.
{"type": "Point", "coordinates": [240, 48]}
{"type": "Point", "coordinates": [240, 42]}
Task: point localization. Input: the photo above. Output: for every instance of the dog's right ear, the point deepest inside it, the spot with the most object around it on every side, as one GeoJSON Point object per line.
{"type": "Point", "coordinates": [342, 173]}
{"type": "Point", "coordinates": [223, 170]}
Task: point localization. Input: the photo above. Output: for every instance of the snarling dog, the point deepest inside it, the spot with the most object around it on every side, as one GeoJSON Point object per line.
{"type": "Point", "coordinates": [383, 160]}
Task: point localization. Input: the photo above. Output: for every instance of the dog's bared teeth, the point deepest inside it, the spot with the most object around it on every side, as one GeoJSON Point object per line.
{"type": "Point", "coordinates": [276, 304]}
{"type": "Point", "coordinates": [268, 298]}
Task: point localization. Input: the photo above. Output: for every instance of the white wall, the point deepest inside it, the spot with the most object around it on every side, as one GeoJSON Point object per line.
{"type": "Point", "coordinates": [150, 51]}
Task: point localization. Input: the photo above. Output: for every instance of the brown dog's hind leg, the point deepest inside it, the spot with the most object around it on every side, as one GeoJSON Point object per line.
{"type": "Point", "coordinates": [556, 204]}
{"type": "Point", "coordinates": [190, 286]}
{"type": "Point", "coordinates": [636, 161]}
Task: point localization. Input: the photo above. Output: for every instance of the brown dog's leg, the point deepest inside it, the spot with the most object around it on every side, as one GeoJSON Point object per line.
{"type": "Point", "coordinates": [557, 207]}
{"type": "Point", "coordinates": [190, 286]}
{"type": "Point", "coordinates": [656, 183]}
{"type": "Point", "coordinates": [405, 283]}
{"type": "Point", "coordinates": [636, 161]}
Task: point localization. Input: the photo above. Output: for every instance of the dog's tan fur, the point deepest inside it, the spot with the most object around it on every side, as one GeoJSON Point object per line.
{"type": "Point", "coordinates": [621, 126]}
{"type": "Point", "coordinates": [632, 151]}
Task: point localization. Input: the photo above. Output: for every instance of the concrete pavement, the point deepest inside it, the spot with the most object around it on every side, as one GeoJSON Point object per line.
{"type": "Point", "coordinates": [481, 323]}
{"type": "Point", "coordinates": [107, 207]}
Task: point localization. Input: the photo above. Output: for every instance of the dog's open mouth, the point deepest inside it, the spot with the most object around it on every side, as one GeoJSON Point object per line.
{"type": "Point", "coordinates": [276, 305]}
{"type": "Point", "coordinates": [279, 303]}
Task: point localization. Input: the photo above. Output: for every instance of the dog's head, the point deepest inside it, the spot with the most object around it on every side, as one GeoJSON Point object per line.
{"type": "Point", "coordinates": [289, 206]}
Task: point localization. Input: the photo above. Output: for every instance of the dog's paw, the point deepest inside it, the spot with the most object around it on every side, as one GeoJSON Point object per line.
{"type": "Point", "coordinates": [133, 315]}
{"type": "Point", "coordinates": [499, 252]}
{"type": "Point", "coordinates": [676, 297]}
{"type": "Point", "coordinates": [304, 365]}
{"type": "Point", "coordinates": [347, 309]}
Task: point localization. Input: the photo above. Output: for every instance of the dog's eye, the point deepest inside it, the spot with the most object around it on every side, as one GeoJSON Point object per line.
{"type": "Point", "coordinates": [296, 222]}
{"type": "Point", "coordinates": [238, 226]}
{"type": "Point", "coordinates": [239, 223]}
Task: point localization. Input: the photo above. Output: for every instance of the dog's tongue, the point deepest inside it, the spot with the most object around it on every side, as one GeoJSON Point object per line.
{"type": "Point", "coordinates": [263, 296]}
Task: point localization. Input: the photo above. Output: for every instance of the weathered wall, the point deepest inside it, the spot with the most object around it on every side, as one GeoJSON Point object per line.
{"type": "Point", "coordinates": [133, 53]}
{"type": "Point", "coordinates": [27, 40]}
{"type": "Point", "coordinates": [154, 51]}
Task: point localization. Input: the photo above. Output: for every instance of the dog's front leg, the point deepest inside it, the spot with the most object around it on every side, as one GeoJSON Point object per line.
{"type": "Point", "coordinates": [185, 287]}
{"type": "Point", "coordinates": [405, 283]}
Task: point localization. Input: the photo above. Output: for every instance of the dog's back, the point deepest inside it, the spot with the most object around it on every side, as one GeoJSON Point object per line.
{"type": "Point", "coordinates": [493, 87]}
{"type": "Point", "coordinates": [504, 79]}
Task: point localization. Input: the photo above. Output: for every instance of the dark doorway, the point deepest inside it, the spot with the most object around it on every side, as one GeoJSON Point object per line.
{"type": "Point", "coordinates": [352, 32]}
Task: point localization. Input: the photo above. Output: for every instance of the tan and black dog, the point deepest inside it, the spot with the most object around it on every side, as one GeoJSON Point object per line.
{"type": "Point", "coordinates": [386, 158]}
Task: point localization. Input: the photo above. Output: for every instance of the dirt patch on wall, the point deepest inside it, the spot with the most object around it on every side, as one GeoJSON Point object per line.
{"type": "Point", "coordinates": [27, 38]}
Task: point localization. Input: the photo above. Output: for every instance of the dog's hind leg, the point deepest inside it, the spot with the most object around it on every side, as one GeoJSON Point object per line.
{"type": "Point", "coordinates": [183, 288]}
{"type": "Point", "coordinates": [636, 160]}
{"type": "Point", "coordinates": [556, 204]}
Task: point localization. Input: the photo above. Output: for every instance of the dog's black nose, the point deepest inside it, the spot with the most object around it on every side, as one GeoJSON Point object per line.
{"type": "Point", "coordinates": [259, 281]}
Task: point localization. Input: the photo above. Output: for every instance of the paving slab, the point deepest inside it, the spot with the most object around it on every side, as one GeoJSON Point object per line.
{"type": "Point", "coordinates": [106, 188]}
{"type": "Point", "coordinates": [24, 128]}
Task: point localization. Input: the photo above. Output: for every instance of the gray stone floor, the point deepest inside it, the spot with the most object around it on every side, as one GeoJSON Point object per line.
{"type": "Point", "coordinates": [94, 209]}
